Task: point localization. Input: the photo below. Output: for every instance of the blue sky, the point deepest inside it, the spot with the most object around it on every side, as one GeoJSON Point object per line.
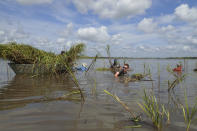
{"type": "Point", "coordinates": [133, 28]}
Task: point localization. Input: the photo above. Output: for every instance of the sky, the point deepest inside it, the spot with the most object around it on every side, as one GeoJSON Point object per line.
{"type": "Point", "coordinates": [132, 28]}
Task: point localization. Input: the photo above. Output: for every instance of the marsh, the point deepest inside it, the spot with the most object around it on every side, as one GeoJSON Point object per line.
{"type": "Point", "coordinates": [33, 103]}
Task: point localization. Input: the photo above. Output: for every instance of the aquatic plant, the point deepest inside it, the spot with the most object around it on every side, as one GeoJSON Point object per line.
{"type": "Point", "coordinates": [108, 53]}
{"type": "Point", "coordinates": [134, 118]}
{"type": "Point", "coordinates": [189, 114]}
{"type": "Point", "coordinates": [76, 82]}
{"type": "Point", "coordinates": [26, 54]}
{"type": "Point", "coordinates": [155, 111]}
{"type": "Point", "coordinates": [103, 69]}
{"type": "Point", "coordinates": [92, 64]}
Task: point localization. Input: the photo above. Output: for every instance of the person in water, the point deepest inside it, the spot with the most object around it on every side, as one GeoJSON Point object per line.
{"type": "Point", "coordinates": [178, 68]}
{"type": "Point", "coordinates": [122, 71]}
{"type": "Point", "coordinates": [115, 64]}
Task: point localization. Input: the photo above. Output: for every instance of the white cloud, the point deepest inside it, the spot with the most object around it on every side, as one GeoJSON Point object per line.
{"type": "Point", "coordinates": [116, 39]}
{"type": "Point", "coordinates": [167, 28]}
{"type": "Point", "coordinates": [2, 32]}
{"type": "Point", "coordinates": [68, 31]}
{"type": "Point", "coordinates": [186, 48]}
{"type": "Point", "coordinates": [147, 25]}
{"type": "Point", "coordinates": [94, 34]}
{"type": "Point", "coordinates": [61, 40]}
{"type": "Point", "coordinates": [113, 8]}
{"type": "Point", "coordinates": [31, 2]}
{"type": "Point", "coordinates": [166, 19]}
{"type": "Point", "coordinates": [186, 14]}
{"type": "Point", "coordinates": [192, 39]}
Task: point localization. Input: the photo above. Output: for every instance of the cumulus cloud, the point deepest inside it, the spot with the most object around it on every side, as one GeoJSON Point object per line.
{"type": "Point", "coordinates": [113, 8]}
{"type": "Point", "coordinates": [14, 34]}
{"type": "Point", "coordinates": [147, 25]}
{"type": "Point", "coordinates": [192, 40]}
{"type": "Point", "coordinates": [94, 34]}
{"type": "Point", "coordinates": [61, 40]}
{"type": "Point", "coordinates": [31, 2]}
{"type": "Point", "coordinates": [68, 31]}
{"type": "Point", "coordinates": [186, 14]}
{"type": "Point", "coordinates": [2, 32]}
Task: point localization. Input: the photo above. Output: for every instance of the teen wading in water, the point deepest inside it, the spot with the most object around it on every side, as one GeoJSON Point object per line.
{"type": "Point", "coordinates": [122, 71]}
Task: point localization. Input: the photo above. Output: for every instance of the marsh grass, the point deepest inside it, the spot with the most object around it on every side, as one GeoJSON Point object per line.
{"type": "Point", "coordinates": [155, 111]}
{"type": "Point", "coordinates": [26, 54]}
{"type": "Point", "coordinates": [103, 69]}
{"type": "Point", "coordinates": [134, 118]}
{"type": "Point", "coordinates": [189, 114]}
{"type": "Point", "coordinates": [108, 54]}
{"type": "Point", "coordinates": [92, 64]}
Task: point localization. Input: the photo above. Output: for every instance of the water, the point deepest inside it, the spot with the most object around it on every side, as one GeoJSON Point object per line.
{"type": "Point", "coordinates": [38, 103]}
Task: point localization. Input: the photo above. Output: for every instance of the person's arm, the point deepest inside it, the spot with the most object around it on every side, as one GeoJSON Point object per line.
{"type": "Point", "coordinates": [116, 74]}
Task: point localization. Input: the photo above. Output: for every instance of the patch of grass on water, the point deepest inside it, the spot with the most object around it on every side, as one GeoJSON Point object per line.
{"type": "Point", "coordinates": [103, 69]}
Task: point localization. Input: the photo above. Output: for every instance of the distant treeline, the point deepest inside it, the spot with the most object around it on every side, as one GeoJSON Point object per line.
{"type": "Point", "coordinates": [90, 57]}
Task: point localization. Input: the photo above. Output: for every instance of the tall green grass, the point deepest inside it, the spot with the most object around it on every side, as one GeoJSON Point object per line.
{"type": "Point", "coordinates": [155, 111]}
{"type": "Point", "coordinates": [189, 114]}
{"type": "Point", "coordinates": [135, 118]}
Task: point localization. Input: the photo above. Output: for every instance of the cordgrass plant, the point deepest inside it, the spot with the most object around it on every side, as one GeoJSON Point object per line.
{"type": "Point", "coordinates": [155, 111]}
{"type": "Point", "coordinates": [135, 118]}
{"type": "Point", "coordinates": [189, 114]}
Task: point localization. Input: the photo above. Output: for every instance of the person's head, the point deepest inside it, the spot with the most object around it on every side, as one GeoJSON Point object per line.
{"type": "Point", "coordinates": [63, 52]}
{"type": "Point", "coordinates": [126, 66]}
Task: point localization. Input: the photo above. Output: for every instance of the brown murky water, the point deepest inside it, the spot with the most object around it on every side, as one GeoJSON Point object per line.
{"type": "Point", "coordinates": [39, 103]}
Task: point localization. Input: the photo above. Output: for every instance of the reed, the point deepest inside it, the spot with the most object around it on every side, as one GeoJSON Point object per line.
{"type": "Point", "coordinates": [189, 114]}
{"type": "Point", "coordinates": [155, 111]}
{"type": "Point", "coordinates": [109, 54]}
{"type": "Point", "coordinates": [134, 118]}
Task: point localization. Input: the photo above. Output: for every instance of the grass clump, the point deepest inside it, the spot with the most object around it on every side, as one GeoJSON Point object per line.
{"type": "Point", "coordinates": [103, 69]}
{"type": "Point", "coordinates": [26, 54]}
{"type": "Point", "coordinates": [189, 115]}
{"type": "Point", "coordinates": [155, 111]}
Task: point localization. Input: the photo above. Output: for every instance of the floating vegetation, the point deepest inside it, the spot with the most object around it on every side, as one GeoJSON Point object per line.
{"type": "Point", "coordinates": [155, 111]}
{"type": "Point", "coordinates": [138, 76]}
{"type": "Point", "coordinates": [189, 114]}
{"type": "Point", "coordinates": [134, 117]}
{"type": "Point", "coordinates": [103, 69]}
{"type": "Point", "coordinates": [26, 54]}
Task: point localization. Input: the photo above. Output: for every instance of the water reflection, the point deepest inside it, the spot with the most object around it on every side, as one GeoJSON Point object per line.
{"type": "Point", "coordinates": [23, 90]}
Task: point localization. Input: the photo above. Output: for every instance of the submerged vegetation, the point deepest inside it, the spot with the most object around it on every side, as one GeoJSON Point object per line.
{"type": "Point", "coordinates": [26, 54]}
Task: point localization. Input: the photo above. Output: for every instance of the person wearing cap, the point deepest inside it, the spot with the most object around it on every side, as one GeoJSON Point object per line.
{"type": "Point", "coordinates": [122, 71]}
